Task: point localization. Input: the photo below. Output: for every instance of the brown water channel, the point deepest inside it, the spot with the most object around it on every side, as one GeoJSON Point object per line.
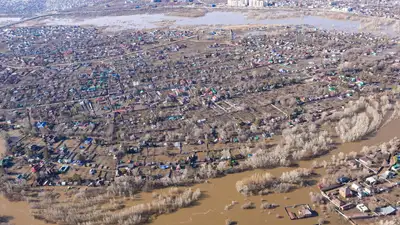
{"type": "Point", "coordinates": [221, 192]}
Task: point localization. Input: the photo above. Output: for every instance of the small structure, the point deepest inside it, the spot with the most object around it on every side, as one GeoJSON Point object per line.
{"type": "Point", "coordinates": [362, 208]}
{"type": "Point", "coordinates": [387, 175]}
{"type": "Point", "coordinates": [292, 216]}
{"type": "Point", "coordinates": [355, 187]}
{"type": "Point", "coordinates": [347, 206]}
{"type": "Point", "coordinates": [304, 211]}
{"type": "Point", "coordinates": [371, 181]}
{"type": "Point", "coordinates": [345, 192]}
{"type": "Point", "coordinates": [387, 210]}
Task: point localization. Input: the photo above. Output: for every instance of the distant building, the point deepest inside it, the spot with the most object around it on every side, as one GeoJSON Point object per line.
{"type": "Point", "coordinates": [256, 3]}
{"type": "Point", "coordinates": [238, 3]}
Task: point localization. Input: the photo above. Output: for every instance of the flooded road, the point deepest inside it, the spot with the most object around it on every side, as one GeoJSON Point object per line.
{"type": "Point", "coordinates": [221, 192]}
{"type": "Point", "coordinates": [149, 21]}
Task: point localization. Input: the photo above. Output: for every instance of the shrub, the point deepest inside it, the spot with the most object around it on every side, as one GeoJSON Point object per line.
{"type": "Point", "coordinates": [87, 212]}
{"type": "Point", "coordinates": [255, 183]}
{"type": "Point", "coordinates": [316, 198]}
{"type": "Point", "coordinates": [283, 188]}
{"type": "Point", "coordinates": [295, 176]}
{"type": "Point", "coordinates": [362, 117]}
{"type": "Point", "coordinates": [230, 222]}
{"type": "Point", "coordinates": [248, 205]}
{"type": "Point", "coordinates": [266, 205]}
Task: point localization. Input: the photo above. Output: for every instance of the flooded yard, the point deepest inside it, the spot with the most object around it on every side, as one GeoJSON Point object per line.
{"type": "Point", "coordinates": [17, 213]}
{"type": "Point", "coordinates": [149, 21]}
{"type": "Point", "coordinates": [221, 192]}
{"type": "Point", "coordinates": [7, 20]}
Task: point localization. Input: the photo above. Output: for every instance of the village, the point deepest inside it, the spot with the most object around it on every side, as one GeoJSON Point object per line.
{"type": "Point", "coordinates": [96, 116]}
{"type": "Point", "coordinates": [372, 194]}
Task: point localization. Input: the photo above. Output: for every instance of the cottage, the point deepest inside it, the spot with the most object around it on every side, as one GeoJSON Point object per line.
{"type": "Point", "coordinates": [371, 181]}
{"type": "Point", "coordinates": [345, 192]}
{"type": "Point", "coordinates": [387, 175]}
{"type": "Point", "coordinates": [305, 212]}
{"type": "Point", "coordinates": [355, 187]}
{"type": "Point", "coordinates": [362, 208]}
{"type": "Point", "coordinates": [387, 210]}
{"type": "Point", "coordinates": [369, 191]}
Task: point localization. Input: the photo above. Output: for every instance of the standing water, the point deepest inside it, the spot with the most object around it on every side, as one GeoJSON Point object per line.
{"type": "Point", "coordinates": [221, 192]}
{"type": "Point", "coordinates": [150, 21]}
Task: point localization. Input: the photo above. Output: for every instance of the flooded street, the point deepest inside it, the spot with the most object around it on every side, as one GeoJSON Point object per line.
{"type": "Point", "coordinates": [148, 21]}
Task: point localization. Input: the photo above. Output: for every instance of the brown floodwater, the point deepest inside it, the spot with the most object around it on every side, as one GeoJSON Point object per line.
{"type": "Point", "coordinates": [222, 191]}
{"type": "Point", "coordinates": [19, 212]}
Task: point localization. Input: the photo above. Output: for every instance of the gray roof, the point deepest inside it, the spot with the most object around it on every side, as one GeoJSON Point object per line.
{"type": "Point", "coordinates": [387, 210]}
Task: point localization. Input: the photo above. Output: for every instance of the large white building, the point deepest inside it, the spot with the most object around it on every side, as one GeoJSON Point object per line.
{"type": "Point", "coordinates": [256, 3]}
{"type": "Point", "coordinates": [244, 3]}
{"type": "Point", "coordinates": [238, 3]}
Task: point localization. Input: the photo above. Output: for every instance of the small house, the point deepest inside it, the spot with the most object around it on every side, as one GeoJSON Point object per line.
{"type": "Point", "coordinates": [345, 192]}
{"type": "Point", "coordinates": [362, 208]}
{"type": "Point", "coordinates": [387, 210]}
{"type": "Point", "coordinates": [387, 175]}
{"type": "Point", "coordinates": [368, 191]}
{"type": "Point", "coordinates": [371, 181]}
{"type": "Point", "coordinates": [305, 213]}
{"type": "Point", "coordinates": [355, 187]}
{"type": "Point", "coordinates": [396, 168]}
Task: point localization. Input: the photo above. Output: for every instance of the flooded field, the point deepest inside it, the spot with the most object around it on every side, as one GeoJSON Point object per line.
{"type": "Point", "coordinates": [6, 20]}
{"type": "Point", "coordinates": [222, 191]}
{"type": "Point", "coordinates": [148, 21]}
{"type": "Point", "coordinates": [18, 213]}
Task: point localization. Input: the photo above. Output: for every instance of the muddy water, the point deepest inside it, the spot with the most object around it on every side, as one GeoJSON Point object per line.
{"type": "Point", "coordinates": [222, 191]}
{"type": "Point", "coordinates": [19, 212]}
{"type": "Point", "coordinates": [6, 20]}
{"type": "Point", "coordinates": [149, 21]}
